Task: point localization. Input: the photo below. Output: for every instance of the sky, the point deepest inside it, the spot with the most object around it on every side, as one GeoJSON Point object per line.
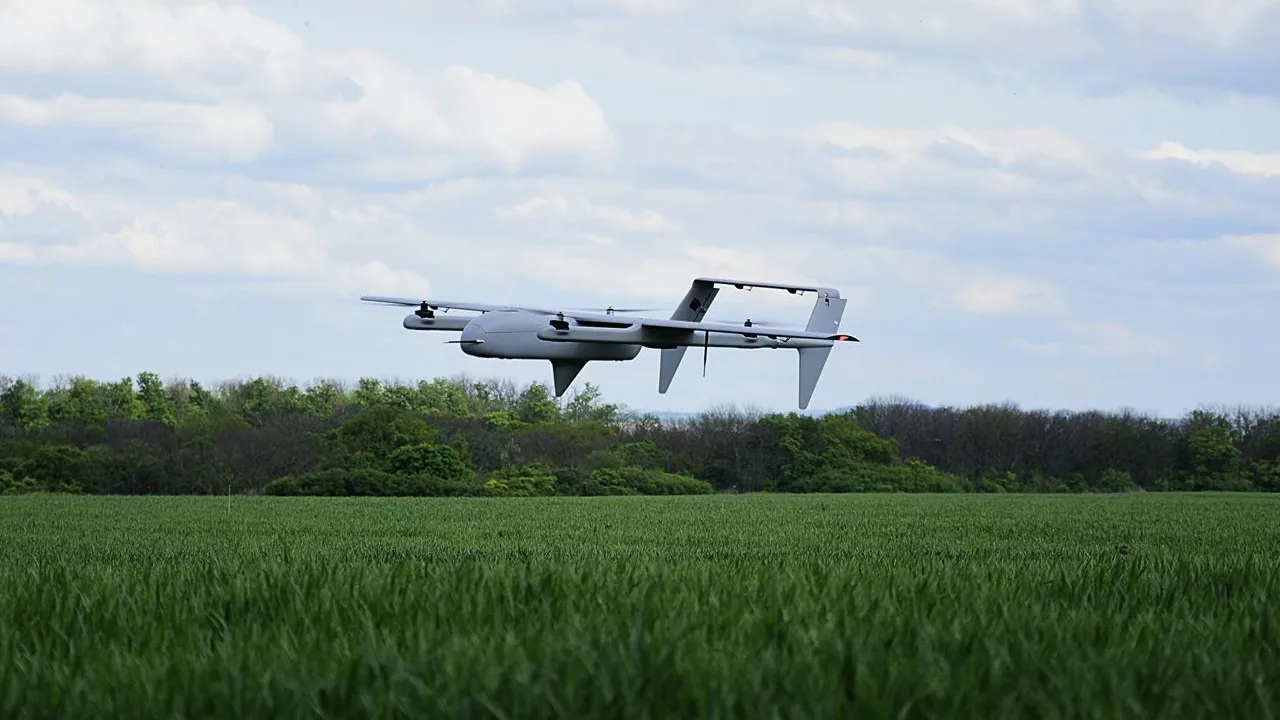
{"type": "Point", "coordinates": [1065, 204]}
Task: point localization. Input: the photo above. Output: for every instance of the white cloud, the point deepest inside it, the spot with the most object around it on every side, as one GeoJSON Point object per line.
{"type": "Point", "coordinates": [1108, 43]}
{"type": "Point", "coordinates": [218, 133]}
{"type": "Point", "coordinates": [16, 253]}
{"type": "Point", "coordinates": [216, 82]}
{"type": "Point", "coordinates": [196, 48]}
{"type": "Point", "coordinates": [1237, 161]}
{"type": "Point", "coordinates": [1005, 164]}
{"type": "Point", "coordinates": [26, 195]}
{"type": "Point", "coordinates": [556, 206]}
{"type": "Point", "coordinates": [1266, 247]}
{"type": "Point", "coordinates": [461, 111]}
{"type": "Point", "coordinates": [207, 236]}
{"type": "Point", "coordinates": [996, 294]}
{"type": "Point", "coordinates": [199, 236]}
{"type": "Point", "coordinates": [852, 60]}
{"type": "Point", "coordinates": [657, 271]}
{"type": "Point", "coordinates": [944, 281]}
{"type": "Point", "coordinates": [375, 276]}
{"type": "Point", "coordinates": [1102, 339]}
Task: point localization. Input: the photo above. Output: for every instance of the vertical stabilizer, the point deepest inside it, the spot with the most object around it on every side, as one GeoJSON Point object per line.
{"type": "Point", "coordinates": [826, 315]}
{"type": "Point", "coordinates": [692, 308]}
{"type": "Point", "coordinates": [812, 360]}
{"type": "Point", "coordinates": [825, 318]}
{"type": "Point", "coordinates": [669, 363]}
{"type": "Point", "coordinates": [565, 371]}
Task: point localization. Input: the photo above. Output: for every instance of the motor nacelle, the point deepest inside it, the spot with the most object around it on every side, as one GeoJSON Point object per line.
{"type": "Point", "coordinates": [416, 322]}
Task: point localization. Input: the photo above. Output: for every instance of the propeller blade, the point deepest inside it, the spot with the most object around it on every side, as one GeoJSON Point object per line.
{"type": "Point", "coordinates": [706, 338]}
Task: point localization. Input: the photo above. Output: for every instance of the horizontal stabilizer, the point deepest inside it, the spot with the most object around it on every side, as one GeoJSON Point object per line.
{"type": "Point", "coordinates": [789, 287]}
{"type": "Point", "coordinates": [669, 326]}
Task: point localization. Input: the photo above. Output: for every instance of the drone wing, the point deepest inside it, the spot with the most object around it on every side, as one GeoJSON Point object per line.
{"type": "Point", "coordinates": [450, 304]}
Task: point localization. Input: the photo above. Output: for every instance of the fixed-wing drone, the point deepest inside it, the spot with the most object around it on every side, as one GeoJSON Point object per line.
{"type": "Point", "coordinates": [572, 338]}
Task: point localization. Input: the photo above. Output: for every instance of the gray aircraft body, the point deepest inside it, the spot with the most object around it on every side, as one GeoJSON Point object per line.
{"type": "Point", "coordinates": [569, 339]}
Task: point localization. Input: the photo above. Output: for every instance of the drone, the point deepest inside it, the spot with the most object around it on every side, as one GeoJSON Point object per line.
{"type": "Point", "coordinates": [570, 338]}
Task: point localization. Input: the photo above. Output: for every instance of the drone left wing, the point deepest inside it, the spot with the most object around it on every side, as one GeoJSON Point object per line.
{"type": "Point", "coordinates": [450, 305]}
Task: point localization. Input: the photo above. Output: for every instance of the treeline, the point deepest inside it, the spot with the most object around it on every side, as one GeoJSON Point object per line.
{"type": "Point", "coordinates": [461, 436]}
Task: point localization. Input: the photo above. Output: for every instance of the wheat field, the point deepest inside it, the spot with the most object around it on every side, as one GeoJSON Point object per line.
{"type": "Point", "coordinates": [993, 606]}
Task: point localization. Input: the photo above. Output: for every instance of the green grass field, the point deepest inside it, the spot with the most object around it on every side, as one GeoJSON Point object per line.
{"type": "Point", "coordinates": [726, 606]}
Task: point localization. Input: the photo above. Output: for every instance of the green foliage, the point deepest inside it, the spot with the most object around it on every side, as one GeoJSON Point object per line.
{"type": "Point", "coordinates": [155, 404]}
{"type": "Point", "coordinates": [632, 480]}
{"type": "Point", "coordinates": [431, 459]}
{"type": "Point", "coordinates": [52, 463]}
{"type": "Point", "coordinates": [503, 420]}
{"type": "Point", "coordinates": [969, 606]}
{"type": "Point", "coordinates": [11, 484]}
{"type": "Point", "coordinates": [533, 480]}
{"type": "Point", "coordinates": [375, 433]}
{"type": "Point", "coordinates": [365, 482]}
{"type": "Point", "coordinates": [909, 476]}
{"type": "Point", "coordinates": [584, 407]}
{"type": "Point", "coordinates": [1208, 445]}
{"type": "Point", "coordinates": [1116, 481]}
{"type": "Point", "coordinates": [642, 454]}
{"type": "Point", "coordinates": [536, 405]}
{"type": "Point", "coordinates": [820, 445]}
{"type": "Point", "coordinates": [459, 435]}
{"type": "Point", "coordinates": [835, 454]}
{"type": "Point", "coordinates": [23, 406]}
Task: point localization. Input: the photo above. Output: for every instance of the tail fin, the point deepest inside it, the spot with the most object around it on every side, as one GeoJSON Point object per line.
{"type": "Point", "coordinates": [812, 360]}
{"type": "Point", "coordinates": [692, 307]}
{"type": "Point", "coordinates": [564, 372]}
{"type": "Point", "coordinates": [826, 316]}
{"type": "Point", "coordinates": [670, 362]}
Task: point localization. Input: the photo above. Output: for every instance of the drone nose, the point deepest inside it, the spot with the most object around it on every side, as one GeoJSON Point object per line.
{"type": "Point", "coordinates": [472, 334]}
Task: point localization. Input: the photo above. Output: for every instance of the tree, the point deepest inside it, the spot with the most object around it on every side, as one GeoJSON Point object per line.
{"type": "Point", "coordinates": [23, 406]}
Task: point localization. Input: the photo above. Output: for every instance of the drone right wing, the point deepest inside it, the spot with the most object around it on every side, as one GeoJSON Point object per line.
{"type": "Point", "coordinates": [451, 305]}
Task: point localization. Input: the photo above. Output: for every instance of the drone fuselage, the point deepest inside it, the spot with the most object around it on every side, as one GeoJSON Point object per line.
{"type": "Point", "coordinates": [514, 335]}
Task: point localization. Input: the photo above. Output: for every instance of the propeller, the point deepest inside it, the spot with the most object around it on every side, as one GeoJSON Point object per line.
{"type": "Point", "coordinates": [706, 339]}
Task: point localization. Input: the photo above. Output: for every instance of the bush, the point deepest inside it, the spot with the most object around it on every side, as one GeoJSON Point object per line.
{"type": "Point", "coordinates": [524, 481]}
{"type": "Point", "coordinates": [632, 480]}
{"type": "Point", "coordinates": [366, 482]}
{"type": "Point", "coordinates": [910, 476]}
{"type": "Point", "coordinates": [434, 460]}
{"type": "Point", "coordinates": [15, 485]}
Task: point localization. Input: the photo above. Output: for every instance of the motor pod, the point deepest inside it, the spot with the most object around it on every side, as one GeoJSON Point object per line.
{"type": "Point", "coordinates": [413, 322]}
